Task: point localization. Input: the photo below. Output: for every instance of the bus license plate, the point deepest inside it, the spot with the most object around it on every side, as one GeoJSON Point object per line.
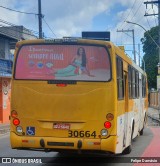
{"type": "Point", "coordinates": [62, 126]}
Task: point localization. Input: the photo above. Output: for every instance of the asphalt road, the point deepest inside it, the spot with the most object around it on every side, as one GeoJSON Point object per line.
{"type": "Point", "coordinates": [139, 145]}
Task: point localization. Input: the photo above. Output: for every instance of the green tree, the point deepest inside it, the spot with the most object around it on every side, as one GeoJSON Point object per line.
{"type": "Point", "coordinates": [151, 56]}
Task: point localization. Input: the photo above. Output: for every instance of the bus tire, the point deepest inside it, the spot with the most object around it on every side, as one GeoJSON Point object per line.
{"type": "Point", "coordinates": [145, 120]}
{"type": "Point", "coordinates": [128, 149]}
{"type": "Point", "coordinates": [141, 132]}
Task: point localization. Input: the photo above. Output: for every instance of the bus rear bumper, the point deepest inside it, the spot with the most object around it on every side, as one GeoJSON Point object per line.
{"type": "Point", "coordinates": [53, 143]}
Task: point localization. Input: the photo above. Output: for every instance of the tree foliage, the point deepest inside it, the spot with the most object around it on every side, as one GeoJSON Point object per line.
{"type": "Point", "coordinates": [151, 56]}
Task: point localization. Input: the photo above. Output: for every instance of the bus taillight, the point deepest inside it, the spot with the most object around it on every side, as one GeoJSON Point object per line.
{"type": "Point", "coordinates": [107, 125]}
{"type": "Point", "coordinates": [14, 114]}
{"type": "Point", "coordinates": [16, 122]}
{"type": "Point", "coordinates": [61, 85]}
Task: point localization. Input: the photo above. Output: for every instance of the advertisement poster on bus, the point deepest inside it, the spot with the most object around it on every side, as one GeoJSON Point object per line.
{"type": "Point", "coordinates": [63, 62]}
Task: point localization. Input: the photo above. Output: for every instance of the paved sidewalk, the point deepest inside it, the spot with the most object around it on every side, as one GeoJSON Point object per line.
{"type": "Point", "coordinates": [153, 113]}
{"type": "Point", "coordinates": [152, 151]}
{"type": "Point", "coordinates": [4, 128]}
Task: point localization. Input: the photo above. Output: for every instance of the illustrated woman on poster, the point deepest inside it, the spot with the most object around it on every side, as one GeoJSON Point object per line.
{"type": "Point", "coordinates": [78, 66]}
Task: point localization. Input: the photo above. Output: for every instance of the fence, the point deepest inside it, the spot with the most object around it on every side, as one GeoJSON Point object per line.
{"type": "Point", "coordinates": [154, 97]}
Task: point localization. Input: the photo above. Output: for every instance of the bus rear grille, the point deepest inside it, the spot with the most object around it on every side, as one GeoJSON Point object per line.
{"type": "Point", "coordinates": [60, 143]}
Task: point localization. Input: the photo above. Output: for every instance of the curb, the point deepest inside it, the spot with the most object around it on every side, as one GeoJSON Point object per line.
{"type": "Point", "coordinates": [156, 119]}
{"type": "Point", "coordinates": [4, 131]}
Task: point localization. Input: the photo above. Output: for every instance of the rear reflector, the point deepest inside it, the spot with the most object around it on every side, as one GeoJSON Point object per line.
{"type": "Point", "coordinates": [25, 141]}
{"type": "Point", "coordinates": [97, 143]}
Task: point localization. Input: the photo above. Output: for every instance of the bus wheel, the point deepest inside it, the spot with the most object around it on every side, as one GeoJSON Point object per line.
{"type": "Point", "coordinates": [145, 120]}
{"type": "Point", "coordinates": [128, 149]}
{"type": "Point", "coordinates": [141, 132]}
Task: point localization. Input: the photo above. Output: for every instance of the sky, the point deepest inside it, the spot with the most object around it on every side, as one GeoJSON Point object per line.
{"type": "Point", "coordinates": [71, 17]}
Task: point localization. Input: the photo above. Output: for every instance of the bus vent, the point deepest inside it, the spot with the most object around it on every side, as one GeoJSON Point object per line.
{"type": "Point", "coordinates": [60, 143]}
{"type": "Point", "coordinates": [61, 82]}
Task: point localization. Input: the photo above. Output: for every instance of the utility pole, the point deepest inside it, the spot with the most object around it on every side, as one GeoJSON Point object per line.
{"type": "Point", "coordinates": [134, 49]}
{"type": "Point", "coordinates": [40, 16]}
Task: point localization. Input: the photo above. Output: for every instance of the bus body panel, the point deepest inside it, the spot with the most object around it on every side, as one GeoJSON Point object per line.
{"type": "Point", "coordinates": [20, 142]}
{"type": "Point", "coordinates": [83, 106]}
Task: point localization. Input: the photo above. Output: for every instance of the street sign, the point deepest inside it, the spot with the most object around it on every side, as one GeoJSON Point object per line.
{"type": "Point", "coordinates": [5, 68]}
{"type": "Point", "coordinates": [104, 35]}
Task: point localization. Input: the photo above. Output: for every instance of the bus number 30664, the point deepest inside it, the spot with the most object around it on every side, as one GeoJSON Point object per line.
{"type": "Point", "coordinates": [81, 134]}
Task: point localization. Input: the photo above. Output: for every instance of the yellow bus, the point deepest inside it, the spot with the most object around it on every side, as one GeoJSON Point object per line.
{"type": "Point", "coordinates": [76, 95]}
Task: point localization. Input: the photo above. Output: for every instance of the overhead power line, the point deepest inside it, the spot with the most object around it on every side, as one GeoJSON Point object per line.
{"type": "Point", "coordinates": [17, 10]}
{"type": "Point", "coordinates": [133, 41]}
{"type": "Point", "coordinates": [13, 25]}
{"type": "Point", "coordinates": [29, 13]}
{"type": "Point", "coordinates": [19, 31]}
{"type": "Point", "coordinates": [50, 28]}
{"type": "Point", "coordinates": [135, 13]}
{"type": "Point", "coordinates": [148, 23]}
{"type": "Point", "coordinates": [128, 13]}
{"type": "Point", "coordinates": [155, 18]}
{"type": "Point", "coordinates": [6, 22]}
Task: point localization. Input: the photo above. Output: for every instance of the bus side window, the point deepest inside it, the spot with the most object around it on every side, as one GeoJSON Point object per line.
{"type": "Point", "coordinates": [129, 82]}
{"type": "Point", "coordinates": [120, 81]}
{"type": "Point", "coordinates": [137, 84]}
{"type": "Point", "coordinates": [143, 86]}
{"type": "Point", "coordinates": [133, 84]}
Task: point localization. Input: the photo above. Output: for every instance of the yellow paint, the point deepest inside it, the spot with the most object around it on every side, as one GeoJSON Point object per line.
{"type": "Point", "coordinates": [84, 106]}
{"type": "Point", "coordinates": [122, 48]}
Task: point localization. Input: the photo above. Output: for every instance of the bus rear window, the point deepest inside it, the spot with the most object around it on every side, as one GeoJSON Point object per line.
{"type": "Point", "coordinates": [63, 62]}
